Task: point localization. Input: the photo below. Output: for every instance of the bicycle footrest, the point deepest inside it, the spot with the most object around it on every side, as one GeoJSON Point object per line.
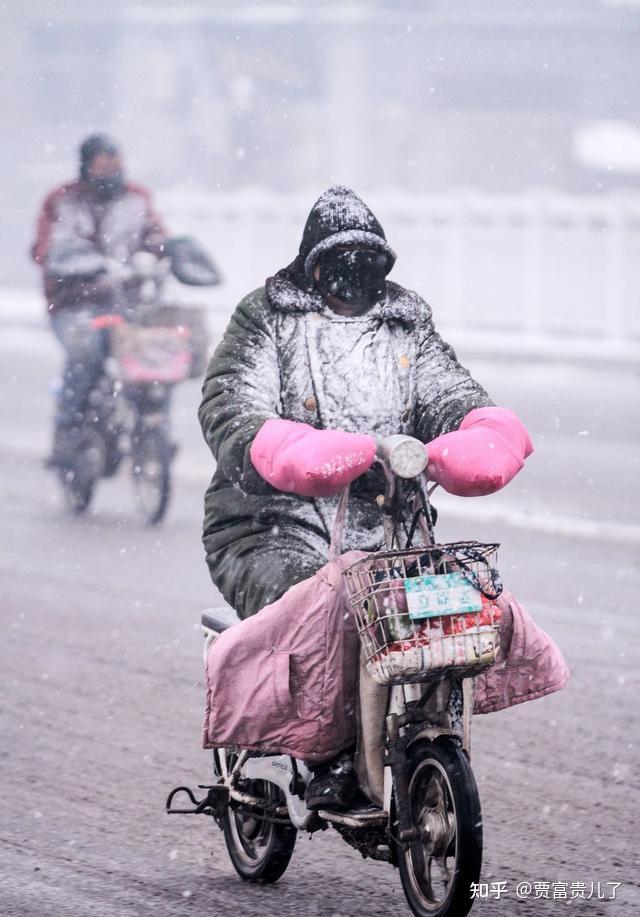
{"type": "Point", "coordinates": [357, 818]}
{"type": "Point", "coordinates": [213, 803]}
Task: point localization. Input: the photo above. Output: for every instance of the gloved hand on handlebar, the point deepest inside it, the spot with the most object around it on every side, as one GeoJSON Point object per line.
{"type": "Point", "coordinates": [482, 455]}
{"type": "Point", "coordinates": [297, 458]}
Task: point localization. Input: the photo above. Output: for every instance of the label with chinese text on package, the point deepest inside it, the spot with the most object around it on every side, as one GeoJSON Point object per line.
{"type": "Point", "coordinates": [445, 594]}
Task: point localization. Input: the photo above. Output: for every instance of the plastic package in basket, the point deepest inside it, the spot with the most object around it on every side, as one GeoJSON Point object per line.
{"type": "Point", "coordinates": [419, 613]}
{"type": "Point", "coordinates": [152, 354]}
{"type": "Point", "coordinates": [452, 641]}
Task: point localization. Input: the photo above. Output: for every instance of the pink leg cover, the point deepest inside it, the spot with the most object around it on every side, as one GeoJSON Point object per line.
{"type": "Point", "coordinates": [285, 680]}
{"type": "Point", "coordinates": [530, 664]}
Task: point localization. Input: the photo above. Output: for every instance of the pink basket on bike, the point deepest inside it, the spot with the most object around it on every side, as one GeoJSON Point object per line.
{"type": "Point", "coordinates": [427, 610]}
{"type": "Point", "coordinates": [152, 354]}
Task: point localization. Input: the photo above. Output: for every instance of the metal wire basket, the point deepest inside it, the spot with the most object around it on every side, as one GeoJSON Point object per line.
{"type": "Point", "coordinates": [426, 610]}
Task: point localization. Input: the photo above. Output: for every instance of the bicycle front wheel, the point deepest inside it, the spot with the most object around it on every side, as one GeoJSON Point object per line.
{"type": "Point", "coordinates": [438, 868]}
{"type": "Point", "coordinates": [152, 455]}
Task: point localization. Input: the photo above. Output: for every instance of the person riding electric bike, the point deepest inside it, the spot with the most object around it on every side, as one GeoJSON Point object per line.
{"type": "Point", "coordinates": [314, 367]}
{"type": "Point", "coordinates": [88, 231]}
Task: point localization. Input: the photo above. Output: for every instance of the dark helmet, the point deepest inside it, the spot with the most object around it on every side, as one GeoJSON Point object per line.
{"type": "Point", "coordinates": [91, 146]}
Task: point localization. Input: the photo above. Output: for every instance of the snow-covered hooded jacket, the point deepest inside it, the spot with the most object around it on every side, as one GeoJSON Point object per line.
{"type": "Point", "coordinates": [286, 354]}
{"type": "Point", "coordinates": [74, 220]}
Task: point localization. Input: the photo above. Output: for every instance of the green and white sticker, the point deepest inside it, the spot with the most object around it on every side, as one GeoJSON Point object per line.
{"type": "Point", "coordinates": [444, 594]}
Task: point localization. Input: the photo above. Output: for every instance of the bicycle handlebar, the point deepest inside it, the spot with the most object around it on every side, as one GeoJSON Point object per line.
{"type": "Point", "coordinates": [404, 455]}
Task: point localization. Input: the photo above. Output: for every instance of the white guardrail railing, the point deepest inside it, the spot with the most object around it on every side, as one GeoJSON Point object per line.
{"type": "Point", "coordinates": [546, 266]}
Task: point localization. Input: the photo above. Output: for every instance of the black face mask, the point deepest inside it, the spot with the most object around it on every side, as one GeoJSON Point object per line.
{"type": "Point", "coordinates": [355, 277]}
{"type": "Point", "coordinates": [107, 187]}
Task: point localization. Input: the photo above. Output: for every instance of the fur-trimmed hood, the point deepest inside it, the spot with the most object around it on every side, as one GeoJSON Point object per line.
{"type": "Point", "coordinates": [338, 218]}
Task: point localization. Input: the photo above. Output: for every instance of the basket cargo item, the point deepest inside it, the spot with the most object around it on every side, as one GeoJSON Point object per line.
{"type": "Point", "coordinates": [420, 612]}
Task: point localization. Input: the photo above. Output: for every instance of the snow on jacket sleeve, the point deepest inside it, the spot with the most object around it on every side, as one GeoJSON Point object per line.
{"type": "Point", "coordinates": [154, 234]}
{"type": "Point", "coordinates": [46, 219]}
{"type": "Point", "coordinates": [79, 276]}
{"type": "Point", "coordinates": [241, 391]}
{"type": "Point", "coordinates": [445, 390]}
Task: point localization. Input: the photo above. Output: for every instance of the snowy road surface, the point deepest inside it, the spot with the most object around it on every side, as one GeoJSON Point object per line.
{"type": "Point", "coordinates": [102, 695]}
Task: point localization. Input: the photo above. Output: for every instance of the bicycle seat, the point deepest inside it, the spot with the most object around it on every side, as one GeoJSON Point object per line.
{"type": "Point", "coordinates": [219, 619]}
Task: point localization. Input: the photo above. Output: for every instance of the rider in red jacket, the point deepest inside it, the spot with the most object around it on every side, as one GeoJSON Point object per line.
{"type": "Point", "coordinates": [87, 232]}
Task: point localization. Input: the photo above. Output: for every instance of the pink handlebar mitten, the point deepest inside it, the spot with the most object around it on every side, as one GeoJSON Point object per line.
{"type": "Point", "coordinates": [482, 455]}
{"type": "Point", "coordinates": [299, 459]}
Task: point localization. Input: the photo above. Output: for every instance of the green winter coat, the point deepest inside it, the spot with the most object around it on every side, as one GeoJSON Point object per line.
{"type": "Point", "coordinates": [377, 374]}
{"type": "Point", "coordinates": [285, 353]}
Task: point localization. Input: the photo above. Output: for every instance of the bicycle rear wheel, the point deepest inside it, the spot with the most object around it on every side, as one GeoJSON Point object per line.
{"type": "Point", "coordinates": [438, 868]}
{"type": "Point", "coordinates": [78, 479]}
{"type": "Point", "coordinates": [260, 850]}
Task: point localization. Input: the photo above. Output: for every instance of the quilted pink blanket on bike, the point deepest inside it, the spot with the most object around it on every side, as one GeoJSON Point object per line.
{"type": "Point", "coordinates": [285, 680]}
